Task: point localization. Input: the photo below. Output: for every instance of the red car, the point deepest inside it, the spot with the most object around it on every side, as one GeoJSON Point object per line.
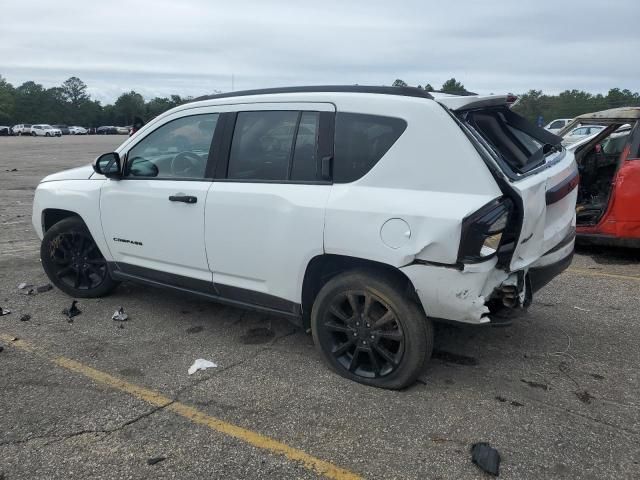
{"type": "Point", "coordinates": [608, 206]}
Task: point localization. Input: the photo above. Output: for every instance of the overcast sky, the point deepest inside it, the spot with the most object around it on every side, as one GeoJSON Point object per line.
{"type": "Point", "coordinates": [192, 47]}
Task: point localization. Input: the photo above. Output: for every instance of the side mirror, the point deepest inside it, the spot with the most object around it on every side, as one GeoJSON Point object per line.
{"type": "Point", "coordinates": [108, 164]}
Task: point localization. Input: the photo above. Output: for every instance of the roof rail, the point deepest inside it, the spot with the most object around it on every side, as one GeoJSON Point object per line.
{"type": "Point", "coordinates": [402, 91]}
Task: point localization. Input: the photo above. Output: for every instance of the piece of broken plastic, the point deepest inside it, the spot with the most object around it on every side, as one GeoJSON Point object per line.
{"type": "Point", "coordinates": [22, 285]}
{"type": "Point", "coordinates": [4, 311]}
{"type": "Point", "coordinates": [44, 288]}
{"type": "Point", "coordinates": [119, 315]}
{"type": "Point", "coordinates": [486, 457]}
{"type": "Point", "coordinates": [201, 364]}
{"type": "Point", "coordinates": [72, 311]}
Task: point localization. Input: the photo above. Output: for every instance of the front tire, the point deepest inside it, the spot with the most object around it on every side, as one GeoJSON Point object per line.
{"type": "Point", "coordinates": [73, 262]}
{"type": "Point", "coordinates": [367, 330]}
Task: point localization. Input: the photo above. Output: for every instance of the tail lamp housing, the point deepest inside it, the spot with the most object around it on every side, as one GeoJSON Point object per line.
{"type": "Point", "coordinates": [482, 231]}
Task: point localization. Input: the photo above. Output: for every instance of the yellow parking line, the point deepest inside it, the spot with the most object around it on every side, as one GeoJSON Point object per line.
{"type": "Point", "coordinates": [583, 271]}
{"type": "Point", "coordinates": [194, 415]}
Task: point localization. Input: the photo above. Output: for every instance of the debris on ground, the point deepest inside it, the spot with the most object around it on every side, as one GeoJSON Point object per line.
{"type": "Point", "coordinates": [584, 396]}
{"type": "Point", "coordinates": [196, 329]}
{"type": "Point", "coordinates": [44, 288]}
{"type": "Point", "coordinates": [25, 318]}
{"type": "Point", "coordinates": [542, 386]}
{"type": "Point", "coordinates": [582, 309]}
{"type": "Point", "coordinates": [119, 315]}
{"type": "Point", "coordinates": [26, 289]}
{"type": "Point", "coordinates": [486, 458]}
{"type": "Point", "coordinates": [14, 339]}
{"type": "Point", "coordinates": [201, 364]}
{"type": "Point", "coordinates": [513, 403]}
{"type": "Point", "coordinates": [597, 376]}
{"type": "Point", "coordinates": [72, 311]}
{"type": "Point", "coordinates": [1, 348]}
{"type": "Point", "coordinates": [4, 311]}
{"type": "Point", "coordinates": [154, 460]}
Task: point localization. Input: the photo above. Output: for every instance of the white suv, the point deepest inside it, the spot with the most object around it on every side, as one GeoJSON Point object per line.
{"type": "Point", "coordinates": [361, 213]}
{"type": "Point", "coordinates": [44, 130]}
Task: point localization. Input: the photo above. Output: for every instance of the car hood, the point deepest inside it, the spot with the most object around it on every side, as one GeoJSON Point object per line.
{"type": "Point", "coordinates": [79, 173]}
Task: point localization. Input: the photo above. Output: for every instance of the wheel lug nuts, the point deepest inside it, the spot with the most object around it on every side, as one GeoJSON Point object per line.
{"type": "Point", "coordinates": [373, 337]}
{"type": "Point", "coordinates": [357, 324]}
{"type": "Point", "coordinates": [355, 334]}
{"type": "Point", "coordinates": [364, 342]}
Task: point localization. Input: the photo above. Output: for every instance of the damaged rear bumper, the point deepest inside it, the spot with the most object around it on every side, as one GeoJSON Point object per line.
{"type": "Point", "coordinates": [462, 294]}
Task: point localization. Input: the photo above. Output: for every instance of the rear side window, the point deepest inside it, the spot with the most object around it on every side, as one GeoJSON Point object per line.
{"type": "Point", "coordinates": [557, 124]}
{"type": "Point", "coordinates": [274, 146]}
{"type": "Point", "coordinates": [361, 141]}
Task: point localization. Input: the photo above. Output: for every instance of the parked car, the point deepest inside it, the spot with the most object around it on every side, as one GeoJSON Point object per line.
{"type": "Point", "coordinates": [609, 192]}
{"type": "Point", "coordinates": [558, 124]}
{"type": "Point", "coordinates": [77, 130]}
{"type": "Point", "coordinates": [123, 130]}
{"type": "Point", "coordinates": [363, 214]}
{"type": "Point", "coordinates": [44, 130]}
{"type": "Point", "coordinates": [5, 131]}
{"type": "Point", "coordinates": [106, 130]}
{"type": "Point", "coordinates": [63, 128]}
{"type": "Point", "coordinates": [22, 129]}
{"type": "Point", "coordinates": [578, 133]}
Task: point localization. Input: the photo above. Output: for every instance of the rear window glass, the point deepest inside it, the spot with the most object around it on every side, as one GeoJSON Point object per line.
{"type": "Point", "coordinates": [361, 141]}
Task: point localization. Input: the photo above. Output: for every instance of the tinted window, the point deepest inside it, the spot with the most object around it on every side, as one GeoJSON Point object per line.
{"type": "Point", "coordinates": [178, 149]}
{"type": "Point", "coordinates": [305, 161]}
{"type": "Point", "coordinates": [262, 145]}
{"type": "Point", "coordinates": [360, 141]}
{"type": "Point", "coordinates": [557, 124]}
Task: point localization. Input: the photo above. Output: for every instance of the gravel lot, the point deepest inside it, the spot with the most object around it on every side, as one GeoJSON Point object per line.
{"type": "Point", "coordinates": [556, 393]}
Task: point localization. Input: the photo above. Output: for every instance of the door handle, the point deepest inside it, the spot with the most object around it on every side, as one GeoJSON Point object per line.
{"type": "Point", "coordinates": [183, 198]}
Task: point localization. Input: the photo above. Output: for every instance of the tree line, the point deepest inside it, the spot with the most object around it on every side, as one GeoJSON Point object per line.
{"type": "Point", "coordinates": [71, 104]}
{"type": "Point", "coordinates": [567, 104]}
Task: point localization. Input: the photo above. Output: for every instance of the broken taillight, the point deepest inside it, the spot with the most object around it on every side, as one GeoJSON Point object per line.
{"type": "Point", "coordinates": [482, 231]}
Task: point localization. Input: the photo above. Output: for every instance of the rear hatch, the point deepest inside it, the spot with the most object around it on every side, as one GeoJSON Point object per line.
{"type": "Point", "coordinates": [530, 163]}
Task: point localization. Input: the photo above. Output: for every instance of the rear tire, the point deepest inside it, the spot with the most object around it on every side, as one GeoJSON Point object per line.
{"type": "Point", "coordinates": [367, 330]}
{"type": "Point", "coordinates": [73, 262]}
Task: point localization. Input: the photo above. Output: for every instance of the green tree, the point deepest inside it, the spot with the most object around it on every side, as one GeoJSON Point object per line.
{"type": "Point", "coordinates": [428, 88]}
{"type": "Point", "coordinates": [75, 92]}
{"type": "Point", "coordinates": [127, 106]}
{"type": "Point", "coordinates": [7, 102]}
{"type": "Point", "coordinates": [453, 86]}
{"type": "Point", "coordinates": [399, 83]}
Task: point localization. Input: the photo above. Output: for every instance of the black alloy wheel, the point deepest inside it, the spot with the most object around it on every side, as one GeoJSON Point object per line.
{"type": "Point", "coordinates": [368, 330]}
{"type": "Point", "coordinates": [363, 334]}
{"type": "Point", "coordinates": [73, 261]}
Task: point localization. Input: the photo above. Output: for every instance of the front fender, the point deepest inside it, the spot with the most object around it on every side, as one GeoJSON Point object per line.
{"type": "Point", "coordinates": [81, 197]}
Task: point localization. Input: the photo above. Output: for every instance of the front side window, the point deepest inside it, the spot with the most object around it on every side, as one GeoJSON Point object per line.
{"type": "Point", "coordinates": [178, 149]}
{"type": "Point", "coordinates": [361, 141]}
{"type": "Point", "coordinates": [557, 124]}
{"type": "Point", "coordinates": [274, 146]}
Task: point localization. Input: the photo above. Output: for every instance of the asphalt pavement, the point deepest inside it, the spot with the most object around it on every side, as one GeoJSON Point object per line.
{"type": "Point", "coordinates": [557, 393]}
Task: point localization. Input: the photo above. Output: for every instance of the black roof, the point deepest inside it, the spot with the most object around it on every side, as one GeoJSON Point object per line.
{"type": "Point", "coordinates": [402, 91]}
